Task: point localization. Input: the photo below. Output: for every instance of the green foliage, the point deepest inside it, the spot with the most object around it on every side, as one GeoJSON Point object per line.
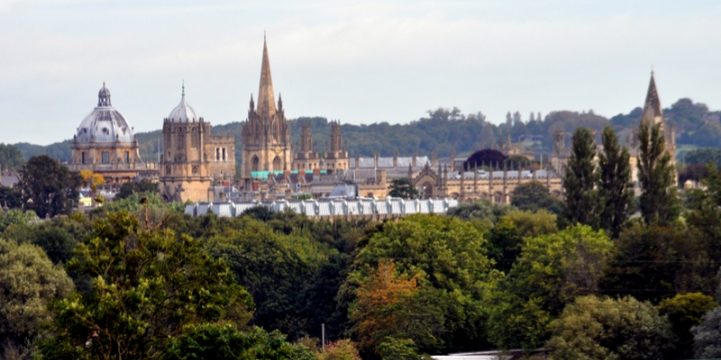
{"type": "Point", "coordinates": [140, 288]}
{"type": "Point", "coordinates": [343, 349]}
{"type": "Point", "coordinates": [658, 201]}
{"type": "Point", "coordinates": [654, 262]}
{"type": "Point", "coordinates": [276, 268]}
{"type": "Point", "coordinates": [685, 311]}
{"type": "Point", "coordinates": [11, 217]}
{"type": "Point", "coordinates": [137, 187]}
{"type": "Point", "coordinates": [580, 179]}
{"type": "Point", "coordinates": [57, 236]}
{"type": "Point", "coordinates": [703, 156]}
{"type": "Point", "coordinates": [29, 282]}
{"type": "Point", "coordinates": [482, 209]}
{"type": "Point", "coordinates": [534, 196]}
{"type": "Point", "coordinates": [48, 187]}
{"type": "Point", "coordinates": [707, 335]}
{"type": "Point", "coordinates": [447, 257]}
{"type": "Point", "coordinates": [10, 157]}
{"type": "Point", "coordinates": [10, 197]}
{"type": "Point", "coordinates": [506, 237]}
{"type": "Point", "coordinates": [603, 328]}
{"type": "Point", "coordinates": [403, 188]}
{"type": "Point", "coordinates": [550, 272]}
{"type": "Point", "coordinates": [226, 342]}
{"type": "Point", "coordinates": [615, 190]}
{"type": "Point", "coordinates": [398, 349]}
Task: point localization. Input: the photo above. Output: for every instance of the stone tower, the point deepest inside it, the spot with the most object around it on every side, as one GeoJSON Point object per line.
{"type": "Point", "coordinates": [336, 159]}
{"type": "Point", "coordinates": [266, 134]}
{"type": "Point", "coordinates": [193, 159]}
{"type": "Point", "coordinates": [306, 159]}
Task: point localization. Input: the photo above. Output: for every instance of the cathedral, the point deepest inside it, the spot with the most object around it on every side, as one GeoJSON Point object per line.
{"type": "Point", "coordinates": [266, 137]}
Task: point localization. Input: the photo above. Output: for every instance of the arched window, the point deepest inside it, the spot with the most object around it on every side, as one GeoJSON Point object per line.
{"type": "Point", "coordinates": [277, 164]}
{"type": "Point", "coordinates": [255, 163]}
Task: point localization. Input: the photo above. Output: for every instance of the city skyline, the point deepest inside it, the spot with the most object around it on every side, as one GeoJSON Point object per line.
{"type": "Point", "coordinates": [359, 63]}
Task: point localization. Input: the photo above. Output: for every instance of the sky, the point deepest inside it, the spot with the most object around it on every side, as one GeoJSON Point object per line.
{"type": "Point", "coordinates": [355, 61]}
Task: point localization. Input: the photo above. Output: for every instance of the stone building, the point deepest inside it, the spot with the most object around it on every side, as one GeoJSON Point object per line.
{"type": "Point", "coordinates": [335, 159]}
{"type": "Point", "coordinates": [266, 134]}
{"type": "Point", "coordinates": [193, 159]}
{"type": "Point", "coordinates": [105, 144]}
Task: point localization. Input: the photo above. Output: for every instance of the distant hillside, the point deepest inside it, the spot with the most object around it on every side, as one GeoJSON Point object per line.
{"type": "Point", "coordinates": [442, 130]}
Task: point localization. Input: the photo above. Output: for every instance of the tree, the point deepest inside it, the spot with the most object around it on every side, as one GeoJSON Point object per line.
{"type": "Point", "coordinates": [12, 217]}
{"type": "Point", "coordinates": [505, 239]}
{"type": "Point", "coordinates": [707, 335]}
{"type": "Point", "coordinates": [685, 311]}
{"type": "Point", "coordinates": [534, 196]}
{"type": "Point", "coordinates": [604, 328]}
{"type": "Point", "coordinates": [343, 349]}
{"type": "Point", "coordinates": [398, 349]}
{"type": "Point", "coordinates": [48, 187]}
{"type": "Point", "coordinates": [403, 188]}
{"type": "Point", "coordinates": [655, 262]}
{"type": "Point", "coordinates": [10, 157]}
{"type": "Point", "coordinates": [10, 197]}
{"type": "Point", "coordinates": [225, 342]}
{"type": "Point", "coordinates": [550, 272]}
{"type": "Point", "coordinates": [449, 257]}
{"type": "Point", "coordinates": [658, 201]}
{"type": "Point", "coordinates": [579, 180]}
{"type": "Point", "coordinates": [137, 187]}
{"type": "Point", "coordinates": [29, 283]}
{"type": "Point", "coordinates": [615, 191]}
{"type": "Point", "coordinates": [139, 288]}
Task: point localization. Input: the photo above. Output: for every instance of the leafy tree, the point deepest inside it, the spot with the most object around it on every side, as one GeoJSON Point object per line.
{"type": "Point", "coordinates": [685, 311]}
{"type": "Point", "coordinates": [57, 237]}
{"type": "Point", "coordinates": [29, 283]}
{"type": "Point", "coordinates": [604, 328]}
{"type": "Point", "coordinates": [140, 287]}
{"type": "Point", "coordinates": [11, 217]}
{"type": "Point", "coordinates": [398, 349]}
{"type": "Point", "coordinates": [656, 176]}
{"type": "Point", "coordinates": [343, 349]}
{"type": "Point", "coordinates": [534, 196]}
{"type": "Point", "coordinates": [226, 342]}
{"type": "Point", "coordinates": [137, 187]}
{"type": "Point", "coordinates": [615, 191]}
{"type": "Point", "coordinates": [579, 180]}
{"type": "Point", "coordinates": [655, 262]}
{"type": "Point", "coordinates": [550, 272]}
{"type": "Point", "coordinates": [506, 237]}
{"type": "Point", "coordinates": [450, 259]}
{"type": "Point", "coordinates": [48, 187]}
{"type": "Point", "coordinates": [707, 335]}
{"type": "Point", "coordinates": [403, 188]}
{"type": "Point", "coordinates": [10, 197]}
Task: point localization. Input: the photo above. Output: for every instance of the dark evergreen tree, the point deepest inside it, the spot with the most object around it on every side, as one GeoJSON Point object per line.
{"type": "Point", "coordinates": [615, 191]}
{"type": "Point", "coordinates": [659, 204]}
{"type": "Point", "coordinates": [47, 187]}
{"type": "Point", "coordinates": [579, 180]}
{"type": "Point", "coordinates": [403, 188]}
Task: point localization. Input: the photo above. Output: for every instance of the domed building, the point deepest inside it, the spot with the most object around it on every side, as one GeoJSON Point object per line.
{"type": "Point", "coordinates": [105, 144]}
{"type": "Point", "coordinates": [193, 160]}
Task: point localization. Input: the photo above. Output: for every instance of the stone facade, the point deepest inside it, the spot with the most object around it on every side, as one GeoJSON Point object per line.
{"type": "Point", "coordinates": [193, 159]}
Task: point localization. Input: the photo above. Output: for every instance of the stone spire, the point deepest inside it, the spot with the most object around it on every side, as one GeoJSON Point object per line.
{"type": "Point", "coordinates": [306, 138]}
{"type": "Point", "coordinates": [335, 137]}
{"type": "Point", "coordinates": [652, 107]}
{"type": "Point", "coordinates": [266, 101]}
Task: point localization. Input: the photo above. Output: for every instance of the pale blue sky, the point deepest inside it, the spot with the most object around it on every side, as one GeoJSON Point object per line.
{"type": "Point", "coordinates": [356, 61]}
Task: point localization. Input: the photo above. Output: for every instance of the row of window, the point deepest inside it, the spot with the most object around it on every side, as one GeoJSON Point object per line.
{"type": "Point", "coordinates": [104, 157]}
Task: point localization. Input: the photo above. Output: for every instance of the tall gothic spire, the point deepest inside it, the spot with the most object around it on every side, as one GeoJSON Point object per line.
{"type": "Point", "coordinates": [266, 101]}
{"type": "Point", "coordinates": [652, 107]}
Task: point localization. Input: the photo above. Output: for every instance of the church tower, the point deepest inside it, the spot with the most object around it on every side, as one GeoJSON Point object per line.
{"type": "Point", "coordinates": [266, 134]}
{"type": "Point", "coordinates": [336, 159]}
{"type": "Point", "coordinates": [306, 159]}
{"type": "Point", "coordinates": [653, 114]}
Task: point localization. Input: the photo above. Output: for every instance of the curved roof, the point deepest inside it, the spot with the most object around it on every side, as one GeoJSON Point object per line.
{"type": "Point", "coordinates": [183, 112]}
{"type": "Point", "coordinates": [104, 124]}
{"type": "Point", "coordinates": [485, 157]}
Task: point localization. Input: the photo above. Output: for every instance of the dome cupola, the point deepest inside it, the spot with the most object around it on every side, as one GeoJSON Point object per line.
{"type": "Point", "coordinates": [104, 124]}
{"type": "Point", "coordinates": [183, 112]}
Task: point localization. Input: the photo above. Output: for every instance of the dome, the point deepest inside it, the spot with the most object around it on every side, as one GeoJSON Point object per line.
{"type": "Point", "coordinates": [183, 112]}
{"type": "Point", "coordinates": [104, 124]}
